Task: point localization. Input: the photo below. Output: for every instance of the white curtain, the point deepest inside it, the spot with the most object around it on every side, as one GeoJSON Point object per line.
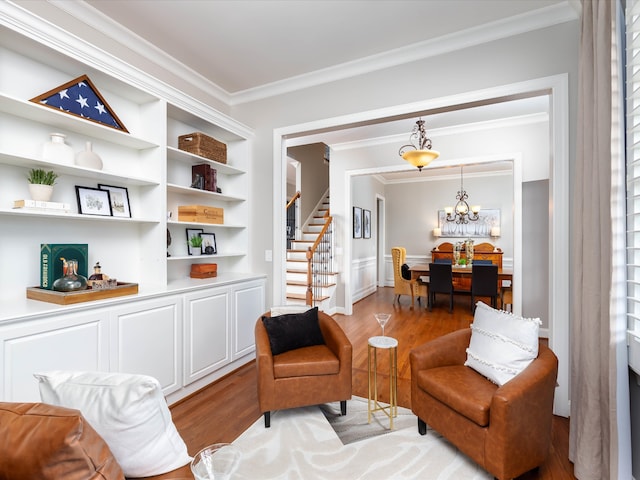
{"type": "Point", "coordinates": [599, 439]}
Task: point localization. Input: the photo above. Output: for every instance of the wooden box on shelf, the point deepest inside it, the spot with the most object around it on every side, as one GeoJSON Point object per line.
{"type": "Point", "coordinates": [204, 146]}
{"type": "Point", "coordinates": [200, 214]}
{"type": "Point", "coordinates": [209, 176]}
{"type": "Point", "coordinates": [203, 270]}
{"type": "Point", "coordinates": [80, 296]}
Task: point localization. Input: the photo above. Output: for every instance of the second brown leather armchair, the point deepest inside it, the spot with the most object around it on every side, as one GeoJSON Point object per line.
{"type": "Point", "coordinates": [506, 430]}
{"type": "Point", "coordinates": [304, 376]}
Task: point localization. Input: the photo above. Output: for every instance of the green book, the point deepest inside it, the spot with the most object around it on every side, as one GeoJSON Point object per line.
{"type": "Point", "coordinates": [51, 265]}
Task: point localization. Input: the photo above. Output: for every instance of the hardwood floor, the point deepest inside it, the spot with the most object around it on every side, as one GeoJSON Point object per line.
{"type": "Point", "coordinates": [222, 411]}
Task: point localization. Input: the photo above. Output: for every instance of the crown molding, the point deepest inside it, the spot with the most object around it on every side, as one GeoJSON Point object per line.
{"type": "Point", "coordinates": [518, 24]}
{"type": "Point", "coordinates": [85, 13]}
{"type": "Point", "coordinates": [515, 25]}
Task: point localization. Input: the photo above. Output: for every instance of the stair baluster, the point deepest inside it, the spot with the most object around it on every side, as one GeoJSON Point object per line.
{"type": "Point", "coordinates": [320, 262]}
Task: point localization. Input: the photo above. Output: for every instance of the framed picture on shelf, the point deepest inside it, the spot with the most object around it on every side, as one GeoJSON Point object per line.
{"type": "Point", "coordinates": [193, 232]}
{"type": "Point", "coordinates": [93, 201]}
{"type": "Point", "coordinates": [119, 197]}
{"type": "Point", "coordinates": [209, 243]}
{"type": "Point", "coordinates": [357, 222]}
{"type": "Point", "coordinates": [366, 223]}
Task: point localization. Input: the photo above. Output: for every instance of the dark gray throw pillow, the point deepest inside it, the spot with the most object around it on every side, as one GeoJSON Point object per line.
{"type": "Point", "coordinates": [293, 330]}
{"type": "Point", "coordinates": [405, 272]}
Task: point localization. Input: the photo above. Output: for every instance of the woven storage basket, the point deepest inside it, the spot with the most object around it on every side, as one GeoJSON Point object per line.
{"type": "Point", "coordinates": [203, 145]}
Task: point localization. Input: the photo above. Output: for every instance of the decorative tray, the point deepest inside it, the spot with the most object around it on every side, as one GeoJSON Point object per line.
{"type": "Point", "coordinates": [68, 298]}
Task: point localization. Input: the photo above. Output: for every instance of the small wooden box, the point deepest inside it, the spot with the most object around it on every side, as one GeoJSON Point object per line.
{"type": "Point", "coordinates": [204, 146]}
{"type": "Point", "coordinates": [203, 270]}
{"type": "Point", "coordinates": [200, 214]}
{"type": "Point", "coordinates": [209, 176]}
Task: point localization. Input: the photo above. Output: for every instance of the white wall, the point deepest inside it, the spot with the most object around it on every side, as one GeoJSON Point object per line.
{"type": "Point", "coordinates": [412, 207]}
{"type": "Point", "coordinates": [366, 189]}
{"type": "Point", "coordinates": [520, 58]}
{"type": "Point", "coordinates": [314, 176]}
{"type": "Point", "coordinates": [533, 55]}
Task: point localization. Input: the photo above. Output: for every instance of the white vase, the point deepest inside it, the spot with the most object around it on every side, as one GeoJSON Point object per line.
{"type": "Point", "coordinates": [40, 193]}
{"type": "Point", "coordinates": [195, 251]}
{"type": "Point", "coordinates": [88, 158]}
{"type": "Point", "coordinates": [58, 151]}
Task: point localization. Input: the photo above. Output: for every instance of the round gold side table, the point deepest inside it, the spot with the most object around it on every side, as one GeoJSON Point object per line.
{"type": "Point", "coordinates": [375, 344]}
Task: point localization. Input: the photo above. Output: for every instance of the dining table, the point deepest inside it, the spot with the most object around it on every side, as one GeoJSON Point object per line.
{"type": "Point", "coordinates": [461, 272]}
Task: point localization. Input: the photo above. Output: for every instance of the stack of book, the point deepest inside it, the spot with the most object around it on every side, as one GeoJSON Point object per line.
{"type": "Point", "coordinates": [39, 206]}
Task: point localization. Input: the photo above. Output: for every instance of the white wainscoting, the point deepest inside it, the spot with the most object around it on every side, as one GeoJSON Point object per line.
{"type": "Point", "coordinates": [363, 277]}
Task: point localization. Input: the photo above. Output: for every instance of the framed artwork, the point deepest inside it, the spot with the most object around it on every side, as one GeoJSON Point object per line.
{"type": "Point", "coordinates": [357, 222]}
{"type": "Point", "coordinates": [209, 243]}
{"type": "Point", "coordinates": [366, 223]}
{"type": "Point", "coordinates": [481, 228]}
{"type": "Point", "coordinates": [93, 201]}
{"type": "Point", "coordinates": [119, 197]}
{"type": "Point", "coordinates": [193, 232]}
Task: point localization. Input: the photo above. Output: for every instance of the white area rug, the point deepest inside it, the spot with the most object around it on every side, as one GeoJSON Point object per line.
{"type": "Point", "coordinates": [302, 445]}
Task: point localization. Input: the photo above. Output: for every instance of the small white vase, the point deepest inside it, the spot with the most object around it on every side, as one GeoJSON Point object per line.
{"type": "Point", "coordinates": [195, 251]}
{"type": "Point", "coordinates": [58, 151]}
{"type": "Point", "coordinates": [40, 193]}
{"type": "Point", "coordinates": [88, 158]}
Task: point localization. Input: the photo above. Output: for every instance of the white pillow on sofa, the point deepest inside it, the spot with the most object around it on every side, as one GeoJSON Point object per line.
{"type": "Point", "coordinates": [128, 411]}
{"type": "Point", "coordinates": [502, 344]}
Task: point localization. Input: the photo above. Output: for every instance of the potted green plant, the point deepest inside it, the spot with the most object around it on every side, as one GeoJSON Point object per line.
{"type": "Point", "coordinates": [41, 183]}
{"type": "Point", "coordinates": [195, 245]}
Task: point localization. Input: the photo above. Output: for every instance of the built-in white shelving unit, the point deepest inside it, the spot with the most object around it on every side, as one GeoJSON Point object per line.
{"type": "Point", "coordinates": [185, 332]}
{"type": "Point", "coordinates": [146, 161]}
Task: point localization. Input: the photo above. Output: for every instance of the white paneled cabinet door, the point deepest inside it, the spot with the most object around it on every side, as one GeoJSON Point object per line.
{"type": "Point", "coordinates": [207, 328]}
{"type": "Point", "coordinates": [67, 342]}
{"type": "Point", "coordinates": [146, 338]}
{"type": "Point", "coordinates": [249, 305]}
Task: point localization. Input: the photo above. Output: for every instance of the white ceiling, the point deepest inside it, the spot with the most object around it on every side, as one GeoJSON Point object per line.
{"type": "Point", "coordinates": [245, 46]}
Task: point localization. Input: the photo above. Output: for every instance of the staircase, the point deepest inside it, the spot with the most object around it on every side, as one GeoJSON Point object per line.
{"type": "Point", "coordinates": [323, 276]}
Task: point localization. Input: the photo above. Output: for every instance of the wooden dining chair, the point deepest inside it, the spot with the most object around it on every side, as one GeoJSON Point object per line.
{"type": "Point", "coordinates": [440, 281]}
{"type": "Point", "coordinates": [484, 283]}
{"type": "Point", "coordinates": [482, 262]}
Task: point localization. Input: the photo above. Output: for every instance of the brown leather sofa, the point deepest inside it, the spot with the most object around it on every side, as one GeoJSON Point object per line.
{"type": "Point", "coordinates": [305, 376]}
{"type": "Point", "coordinates": [44, 441]}
{"type": "Point", "coordinates": [506, 430]}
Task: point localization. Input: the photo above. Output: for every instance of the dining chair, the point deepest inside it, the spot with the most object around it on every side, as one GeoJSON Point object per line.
{"type": "Point", "coordinates": [401, 285]}
{"type": "Point", "coordinates": [440, 281]}
{"type": "Point", "coordinates": [482, 262]}
{"type": "Point", "coordinates": [484, 283]}
{"type": "Point", "coordinates": [443, 260]}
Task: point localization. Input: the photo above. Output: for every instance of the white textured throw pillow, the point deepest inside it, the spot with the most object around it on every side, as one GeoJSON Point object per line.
{"type": "Point", "coordinates": [128, 411]}
{"type": "Point", "coordinates": [502, 344]}
{"type": "Point", "coordinates": [287, 309]}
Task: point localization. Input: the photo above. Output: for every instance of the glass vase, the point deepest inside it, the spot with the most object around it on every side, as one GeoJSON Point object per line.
{"type": "Point", "coordinates": [469, 249]}
{"type": "Point", "coordinates": [71, 281]}
{"type": "Point", "coordinates": [457, 249]}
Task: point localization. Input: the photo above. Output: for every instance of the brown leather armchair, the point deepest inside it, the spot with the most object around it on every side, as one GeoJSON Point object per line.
{"type": "Point", "coordinates": [506, 430]}
{"type": "Point", "coordinates": [304, 376]}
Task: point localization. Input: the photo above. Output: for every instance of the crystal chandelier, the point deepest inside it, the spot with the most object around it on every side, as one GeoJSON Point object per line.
{"type": "Point", "coordinates": [462, 213]}
{"type": "Point", "coordinates": [418, 153]}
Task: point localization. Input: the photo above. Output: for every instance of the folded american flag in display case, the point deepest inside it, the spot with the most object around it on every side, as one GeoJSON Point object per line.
{"type": "Point", "coordinates": [81, 98]}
